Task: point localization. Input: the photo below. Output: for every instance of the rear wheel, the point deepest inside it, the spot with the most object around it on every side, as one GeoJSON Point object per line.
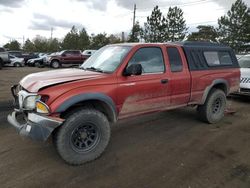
{"type": "Point", "coordinates": [213, 109]}
{"type": "Point", "coordinates": [55, 64]}
{"type": "Point", "coordinates": [83, 136]}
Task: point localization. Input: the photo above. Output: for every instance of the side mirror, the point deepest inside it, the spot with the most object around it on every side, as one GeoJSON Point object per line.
{"type": "Point", "coordinates": [63, 55]}
{"type": "Point", "coordinates": [133, 69]}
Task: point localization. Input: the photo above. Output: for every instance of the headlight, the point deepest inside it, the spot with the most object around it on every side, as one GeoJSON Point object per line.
{"type": "Point", "coordinates": [30, 102]}
{"type": "Point", "coordinates": [42, 107]}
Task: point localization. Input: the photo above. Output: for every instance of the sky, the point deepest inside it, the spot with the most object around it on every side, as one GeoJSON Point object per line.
{"type": "Point", "coordinates": [22, 19]}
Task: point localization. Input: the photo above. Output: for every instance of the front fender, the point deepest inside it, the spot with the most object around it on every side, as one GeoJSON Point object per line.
{"type": "Point", "coordinates": [87, 97]}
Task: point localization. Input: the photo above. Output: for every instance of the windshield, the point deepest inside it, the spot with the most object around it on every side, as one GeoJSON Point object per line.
{"type": "Point", "coordinates": [107, 59]}
{"type": "Point", "coordinates": [244, 61]}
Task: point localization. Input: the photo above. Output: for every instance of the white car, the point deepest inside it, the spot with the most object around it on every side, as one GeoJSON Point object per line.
{"type": "Point", "coordinates": [244, 62]}
{"type": "Point", "coordinates": [15, 61]}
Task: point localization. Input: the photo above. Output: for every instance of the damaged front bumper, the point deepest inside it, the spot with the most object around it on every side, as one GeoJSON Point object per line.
{"type": "Point", "coordinates": [36, 126]}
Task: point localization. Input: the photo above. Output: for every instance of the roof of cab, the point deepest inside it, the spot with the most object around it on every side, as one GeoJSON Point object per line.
{"type": "Point", "coordinates": [184, 44]}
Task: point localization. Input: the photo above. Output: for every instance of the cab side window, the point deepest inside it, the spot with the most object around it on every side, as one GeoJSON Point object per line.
{"type": "Point", "coordinates": [174, 59]}
{"type": "Point", "coordinates": [150, 58]}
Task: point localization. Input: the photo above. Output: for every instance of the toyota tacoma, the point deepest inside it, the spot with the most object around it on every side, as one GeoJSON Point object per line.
{"type": "Point", "coordinates": [77, 106]}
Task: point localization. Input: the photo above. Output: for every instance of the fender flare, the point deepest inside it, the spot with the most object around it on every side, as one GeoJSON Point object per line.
{"type": "Point", "coordinates": [214, 83]}
{"type": "Point", "coordinates": [90, 96]}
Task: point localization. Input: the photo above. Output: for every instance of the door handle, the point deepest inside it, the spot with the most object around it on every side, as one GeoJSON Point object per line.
{"type": "Point", "coordinates": [164, 81]}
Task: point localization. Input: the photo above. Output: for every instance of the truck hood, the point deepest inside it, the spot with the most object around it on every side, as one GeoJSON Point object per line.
{"type": "Point", "coordinates": [36, 81]}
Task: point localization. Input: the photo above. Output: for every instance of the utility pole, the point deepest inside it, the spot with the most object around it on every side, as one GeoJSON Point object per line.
{"type": "Point", "coordinates": [133, 20]}
{"type": "Point", "coordinates": [51, 34]}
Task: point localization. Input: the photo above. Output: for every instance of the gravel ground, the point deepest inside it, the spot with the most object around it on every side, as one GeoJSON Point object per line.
{"type": "Point", "coordinates": [167, 149]}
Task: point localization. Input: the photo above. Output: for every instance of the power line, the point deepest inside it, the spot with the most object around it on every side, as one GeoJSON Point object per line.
{"type": "Point", "coordinates": [183, 5]}
{"type": "Point", "coordinates": [198, 23]}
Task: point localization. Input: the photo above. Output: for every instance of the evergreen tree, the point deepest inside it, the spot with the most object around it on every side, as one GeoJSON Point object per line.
{"type": "Point", "coordinates": [176, 24]}
{"type": "Point", "coordinates": [134, 36]}
{"type": "Point", "coordinates": [153, 30]}
{"type": "Point", "coordinates": [84, 40]}
{"type": "Point", "coordinates": [205, 33]}
{"type": "Point", "coordinates": [99, 41]}
{"type": "Point", "coordinates": [70, 41]}
{"type": "Point", "coordinates": [29, 46]}
{"type": "Point", "coordinates": [234, 27]}
{"type": "Point", "coordinates": [40, 44]}
{"type": "Point", "coordinates": [53, 45]}
{"type": "Point", "coordinates": [13, 45]}
{"type": "Point", "coordinates": [113, 39]}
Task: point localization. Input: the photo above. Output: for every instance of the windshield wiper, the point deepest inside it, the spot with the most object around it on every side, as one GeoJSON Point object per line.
{"type": "Point", "coordinates": [94, 69]}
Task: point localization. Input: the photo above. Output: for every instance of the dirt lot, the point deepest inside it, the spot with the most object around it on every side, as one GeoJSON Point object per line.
{"type": "Point", "coordinates": [167, 149]}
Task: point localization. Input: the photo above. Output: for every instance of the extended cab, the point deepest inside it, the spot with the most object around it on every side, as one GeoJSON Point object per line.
{"type": "Point", "coordinates": [66, 57]}
{"type": "Point", "coordinates": [120, 81]}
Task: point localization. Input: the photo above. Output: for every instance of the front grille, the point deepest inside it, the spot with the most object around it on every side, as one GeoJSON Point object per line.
{"type": "Point", "coordinates": [245, 80]}
{"type": "Point", "coordinates": [244, 90]}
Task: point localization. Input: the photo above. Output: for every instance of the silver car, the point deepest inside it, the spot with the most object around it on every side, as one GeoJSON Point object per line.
{"type": "Point", "coordinates": [15, 61]}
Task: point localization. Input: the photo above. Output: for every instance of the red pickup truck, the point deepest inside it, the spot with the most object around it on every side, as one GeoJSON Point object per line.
{"type": "Point", "coordinates": [77, 106]}
{"type": "Point", "coordinates": [67, 57]}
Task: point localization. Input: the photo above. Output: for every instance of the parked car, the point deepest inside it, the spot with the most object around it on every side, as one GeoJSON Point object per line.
{"type": "Point", "coordinates": [38, 62]}
{"type": "Point", "coordinates": [15, 61]}
{"type": "Point", "coordinates": [66, 57]}
{"type": "Point", "coordinates": [4, 57]}
{"type": "Point", "coordinates": [120, 81]}
{"type": "Point", "coordinates": [244, 62]}
{"type": "Point", "coordinates": [24, 55]}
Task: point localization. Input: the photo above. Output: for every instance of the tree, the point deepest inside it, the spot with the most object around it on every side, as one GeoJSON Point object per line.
{"type": "Point", "coordinates": [234, 27]}
{"type": "Point", "coordinates": [29, 46]}
{"type": "Point", "coordinates": [113, 39]}
{"type": "Point", "coordinates": [71, 39]}
{"type": "Point", "coordinates": [76, 39]}
{"type": "Point", "coordinates": [84, 40]}
{"type": "Point", "coordinates": [40, 44]}
{"type": "Point", "coordinates": [176, 24]}
{"type": "Point", "coordinates": [99, 41]}
{"type": "Point", "coordinates": [205, 33]}
{"type": "Point", "coordinates": [53, 45]}
{"type": "Point", "coordinates": [13, 45]}
{"type": "Point", "coordinates": [134, 36]}
{"type": "Point", "coordinates": [153, 30]}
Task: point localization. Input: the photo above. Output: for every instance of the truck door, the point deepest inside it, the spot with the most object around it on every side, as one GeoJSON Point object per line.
{"type": "Point", "coordinates": [179, 82]}
{"type": "Point", "coordinates": [146, 92]}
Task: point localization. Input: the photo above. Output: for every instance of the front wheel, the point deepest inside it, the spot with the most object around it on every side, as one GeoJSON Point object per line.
{"type": "Point", "coordinates": [83, 136]}
{"type": "Point", "coordinates": [55, 64]}
{"type": "Point", "coordinates": [17, 65]}
{"type": "Point", "coordinates": [213, 109]}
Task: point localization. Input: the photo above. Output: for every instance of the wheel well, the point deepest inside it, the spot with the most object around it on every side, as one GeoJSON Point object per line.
{"type": "Point", "coordinates": [96, 104]}
{"type": "Point", "coordinates": [222, 87]}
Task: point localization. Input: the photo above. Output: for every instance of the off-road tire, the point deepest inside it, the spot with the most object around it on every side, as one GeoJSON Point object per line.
{"type": "Point", "coordinates": [63, 137]}
{"type": "Point", "coordinates": [55, 64]}
{"type": "Point", "coordinates": [213, 109]}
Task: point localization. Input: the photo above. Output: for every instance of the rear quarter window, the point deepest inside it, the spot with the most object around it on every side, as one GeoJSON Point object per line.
{"type": "Point", "coordinates": [218, 58]}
